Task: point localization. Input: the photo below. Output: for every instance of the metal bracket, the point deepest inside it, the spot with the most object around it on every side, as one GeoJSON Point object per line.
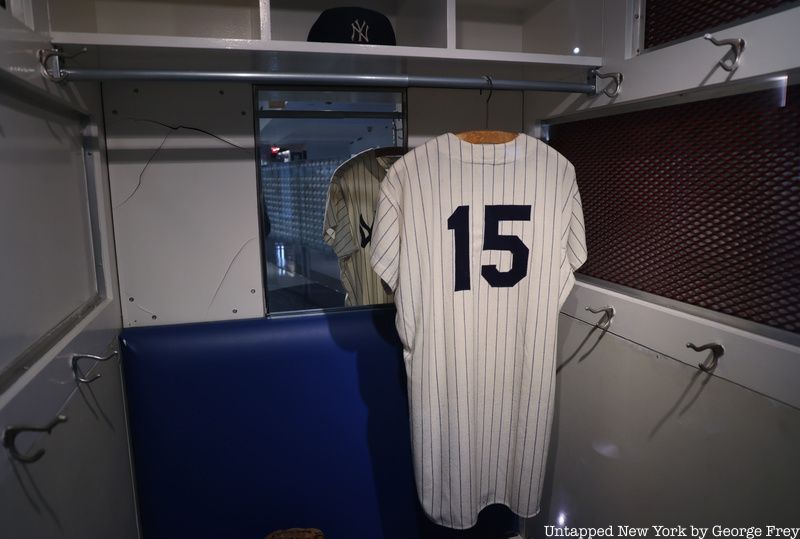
{"type": "Point", "coordinates": [717, 350]}
{"type": "Point", "coordinates": [10, 438]}
{"type": "Point", "coordinates": [616, 77]}
{"type": "Point", "coordinates": [737, 48]}
{"type": "Point", "coordinates": [73, 362]}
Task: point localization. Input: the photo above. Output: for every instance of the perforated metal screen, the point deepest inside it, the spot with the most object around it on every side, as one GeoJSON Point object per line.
{"type": "Point", "coordinates": [696, 202]}
{"type": "Point", "coordinates": [668, 20]}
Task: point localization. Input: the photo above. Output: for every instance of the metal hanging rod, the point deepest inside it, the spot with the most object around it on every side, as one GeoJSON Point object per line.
{"type": "Point", "coordinates": [54, 69]}
{"type": "Point", "coordinates": [318, 79]}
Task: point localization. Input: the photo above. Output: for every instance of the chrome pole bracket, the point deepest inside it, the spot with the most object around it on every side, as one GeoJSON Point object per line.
{"type": "Point", "coordinates": [616, 77]}
{"type": "Point", "coordinates": [51, 61]}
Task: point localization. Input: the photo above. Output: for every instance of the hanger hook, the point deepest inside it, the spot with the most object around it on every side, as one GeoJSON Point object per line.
{"type": "Point", "coordinates": [491, 87]}
{"type": "Point", "coordinates": [491, 91]}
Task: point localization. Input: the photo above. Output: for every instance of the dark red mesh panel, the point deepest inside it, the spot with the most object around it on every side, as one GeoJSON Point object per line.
{"type": "Point", "coordinates": [667, 20]}
{"type": "Point", "coordinates": [697, 202]}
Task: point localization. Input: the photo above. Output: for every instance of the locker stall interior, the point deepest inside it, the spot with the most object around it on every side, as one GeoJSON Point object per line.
{"type": "Point", "coordinates": [177, 359]}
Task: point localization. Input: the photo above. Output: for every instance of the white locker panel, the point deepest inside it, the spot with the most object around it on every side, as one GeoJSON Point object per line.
{"type": "Point", "coordinates": [764, 363]}
{"type": "Point", "coordinates": [53, 172]}
{"type": "Point", "coordinates": [82, 487]}
{"type": "Point", "coordinates": [770, 49]}
{"type": "Point", "coordinates": [49, 270]}
{"type": "Point", "coordinates": [183, 185]}
{"type": "Point", "coordinates": [642, 439]}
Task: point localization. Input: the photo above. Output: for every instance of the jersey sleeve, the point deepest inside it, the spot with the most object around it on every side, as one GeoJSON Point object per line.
{"type": "Point", "coordinates": [336, 225]}
{"type": "Point", "coordinates": [385, 257]}
{"type": "Point", "coordinates": [573, 234]}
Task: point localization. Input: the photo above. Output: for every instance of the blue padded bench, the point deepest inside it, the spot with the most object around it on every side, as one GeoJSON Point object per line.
{"type": "Point", "coordinates": [244, 427]}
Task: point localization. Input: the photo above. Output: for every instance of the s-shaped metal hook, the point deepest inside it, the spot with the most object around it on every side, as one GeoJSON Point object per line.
{"type": "Point", "coordinates": [605, 321]}
{"type": "Point", "coordinates": [717, 350]}
{"type": "Point", "coordinates": [737, 47]}
{"type": "Point", "coordinates": [10, 438]}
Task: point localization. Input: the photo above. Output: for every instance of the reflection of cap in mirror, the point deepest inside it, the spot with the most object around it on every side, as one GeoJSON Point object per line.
{"type": "Point", "coordinates": [352, 25]}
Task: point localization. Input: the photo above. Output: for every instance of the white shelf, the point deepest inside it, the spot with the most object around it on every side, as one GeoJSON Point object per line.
{"type": "Point", "coordinates": [270, 35]}
{"type": "Point", "coordinates": [120, 50]}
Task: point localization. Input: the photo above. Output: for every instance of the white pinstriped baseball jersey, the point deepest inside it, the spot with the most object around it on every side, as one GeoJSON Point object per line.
{"type": "Point", "coordinates": [349, 217]}
{"type": "Point", "coordinates": [479, 243]}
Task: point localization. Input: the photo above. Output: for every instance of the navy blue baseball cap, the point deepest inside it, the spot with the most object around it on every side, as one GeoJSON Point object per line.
{"type": "Point", "coordinates": [352, 25]}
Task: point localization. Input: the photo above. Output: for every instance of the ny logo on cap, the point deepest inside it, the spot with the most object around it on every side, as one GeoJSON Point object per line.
{"type": "Point", "coordinates": [360, 31]}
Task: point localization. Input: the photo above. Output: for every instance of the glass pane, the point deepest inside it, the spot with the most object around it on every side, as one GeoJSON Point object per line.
{"type": "Point", "coordinates": [298, 156]}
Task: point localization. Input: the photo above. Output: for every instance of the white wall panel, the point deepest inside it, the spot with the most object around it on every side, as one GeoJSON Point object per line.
{"type": "Point", "coordinates": [559, 26]}
{"type": "Point", "coordinates": [203, 18]}
{"type": "Point", "coordinates": [185, 201]}
{"type": "Point", "coordinates": [487, 28]}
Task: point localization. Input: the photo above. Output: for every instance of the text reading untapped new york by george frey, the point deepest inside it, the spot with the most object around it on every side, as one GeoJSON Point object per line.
{"type": "Point", "coordinates": [657, 531]}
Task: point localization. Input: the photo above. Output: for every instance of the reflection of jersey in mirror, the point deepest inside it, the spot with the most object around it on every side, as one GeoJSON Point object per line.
{"type": "Point", "coordinates": [349, 216]}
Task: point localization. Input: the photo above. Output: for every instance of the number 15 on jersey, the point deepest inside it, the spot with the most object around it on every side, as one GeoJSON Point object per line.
{"type": "Point", "coordinates": [458, 222]}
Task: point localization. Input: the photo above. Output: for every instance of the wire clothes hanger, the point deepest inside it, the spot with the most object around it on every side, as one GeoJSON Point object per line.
{"type": "Point", "coordinates": [486, 136]}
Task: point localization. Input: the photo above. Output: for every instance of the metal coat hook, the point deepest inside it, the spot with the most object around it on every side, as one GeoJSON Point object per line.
{"type": "Point", "coordinates": [491, 90]}
{"type": "Point", "coordinates": [717, 351]}
{"type": "Point", "coordinates": [73, 363]}
{"type": "Point", "coordinates": [605, 321]}
{"type": "Point", "coordinates": [617, 78]}
{"type": "Point", "coordinates": [737, 47]}
{"type": "Point", "coordinates": [10, 438]}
